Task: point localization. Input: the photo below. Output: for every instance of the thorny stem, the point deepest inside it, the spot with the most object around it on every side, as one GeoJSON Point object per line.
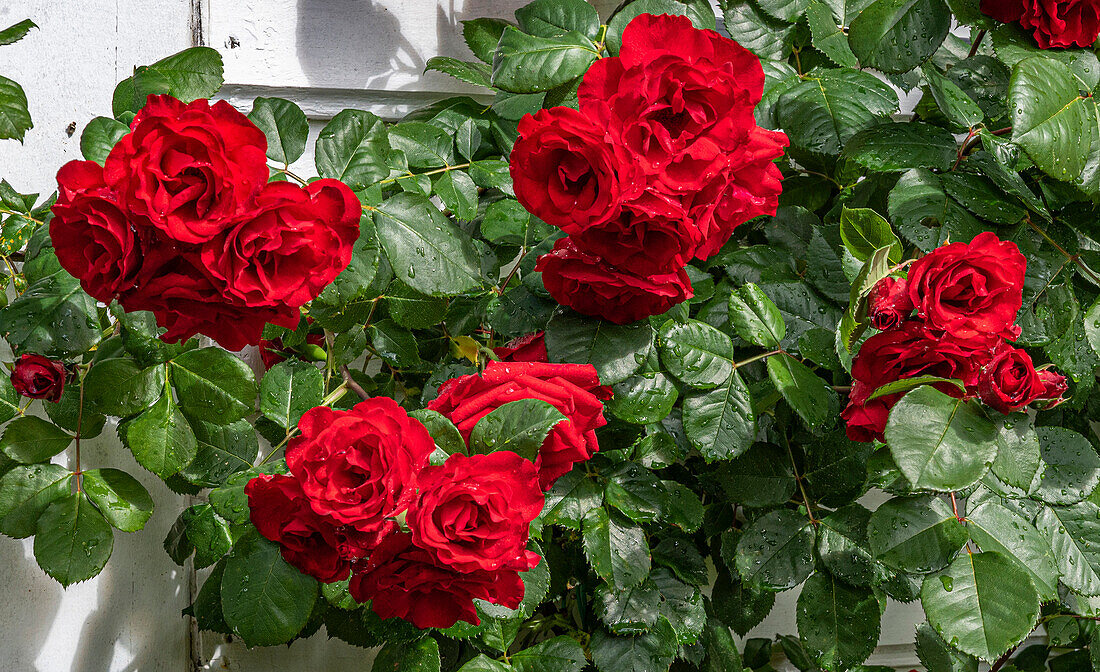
{"type": "Point", "coordinates": [512, 273]}
{"type": "Point", "coordinates": [750, 360]}
{"type": "Point", "coordinates": [955, 508]}
{"type": "Point", "coordinates": [798, 479]}
{"type": "Point", "coordinates": [977, 43]}
{"type": "Point", "coordinates": [285, 170]}
{"type": "Point", "coordinates": [352, 385]}
{"type": "Point", "coordinates": [79, 474]}
{"type": "Point", "coordinates": [1003, 659]}
{"type": "Point", "coordinates": [1071, 257]}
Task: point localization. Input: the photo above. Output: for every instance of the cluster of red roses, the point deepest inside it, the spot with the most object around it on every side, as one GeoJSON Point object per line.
{"type": "Point", "coordinates": [966, 297]}
{"type": "Point", "coordinates": [355, 474]}
{"type": "Point", "coordinates": [660, 163]}
{"type": "Point", "coordinates": [1054, 23]}
{"type": "Point", "coordinates": [181, 221]}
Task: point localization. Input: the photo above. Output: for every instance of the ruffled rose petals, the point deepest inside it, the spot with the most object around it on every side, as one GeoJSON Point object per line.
{"type": "Point", "coordinates": [1053, 23]}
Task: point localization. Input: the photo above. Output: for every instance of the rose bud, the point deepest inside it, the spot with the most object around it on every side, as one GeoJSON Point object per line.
{"type": "Point", "coordinates": [888, 304]}
{"type": "Point", "coordinates": [37, 377]}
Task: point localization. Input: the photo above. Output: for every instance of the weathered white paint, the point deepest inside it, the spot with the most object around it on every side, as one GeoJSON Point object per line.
{"type": "Point", "coordinates": [326, 55]}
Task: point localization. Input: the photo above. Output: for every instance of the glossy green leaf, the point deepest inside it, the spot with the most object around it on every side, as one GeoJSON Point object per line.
{"type": "Point", "coordinates": [777, 550]}
{"type": "Point", "coordinates": [915, 534]}
{"type": "Point", "coordinates": [517, 426]}
{"type": "Point", "coordinates": [838, 624]}
{"type": "Point", "coordinates": [73, 541]}
{"type": "Point", "coordinates": [160, 438]}
{"type": "Point", "coordinates": [616, 548]}
{"type": "Point", "coordinates": [696, 353]}
{"type": "Point", "coordinates": [123, 501]}
{"type": "Point", "coordinates": [527, 64]}
{"type": "Point", "coordinates": [899, 35]}
{"type": "Point", "coordinates": [30, 439]}
{"type": "Point", "coordinates": [720, 423]}
{"type": "Point", "coordinates": [285, 126]}
{"type": "Point", "coordinates": [814, 401]}
{"type": "Point", "coordinates": [755, 317]}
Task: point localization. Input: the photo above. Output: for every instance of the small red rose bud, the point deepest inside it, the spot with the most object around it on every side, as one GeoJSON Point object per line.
{"type": "Point", "coordinates": [37, 377]}
{"type": "Point", "coordinates": [888, 304]}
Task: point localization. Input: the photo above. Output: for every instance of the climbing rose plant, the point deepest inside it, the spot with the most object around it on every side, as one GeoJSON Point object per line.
{"type": "Point", "coordinates": [580, 374]}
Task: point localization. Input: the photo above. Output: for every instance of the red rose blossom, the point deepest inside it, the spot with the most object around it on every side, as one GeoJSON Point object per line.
{"type": "Point", "coordinates": [38, 377]}
{"type": "Point", "coordinates": [970, 290]}
{"type": "Point", "coordinates": [188, 168]}
{"type": "Point", "coordinates": [529, 348]}
{"type": "Point", "coordinates": [359, 466]}
{"type": "Point", "coordinates": [92, 236]}
{"type": "Point", "coordinates": [590, 286]}
{"type": "Point", "coordinates": [888, 304]}
{"type": "Point", "coordinates": [867, 421]}
{"type": "Point", "coordinates": [474, 512]}
{"type": "Point", "coordinates": [566, 174]}
{"type": "Point", "coordinates": [280, 511]}
{"type": "Point", "coordinates": [1009, 381]}
{"type": "Point", "coordinates": [573, 389]}
{"type": "Point", "coordinates": [403, 581]}
{"type": "Point", "coordinates": [1054, 386]}
{"type": "Point", "coordinates": [1053, 23]}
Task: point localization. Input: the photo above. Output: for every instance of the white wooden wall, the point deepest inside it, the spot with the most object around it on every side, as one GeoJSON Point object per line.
{"type": "Point", "coordinates": [325, 55]}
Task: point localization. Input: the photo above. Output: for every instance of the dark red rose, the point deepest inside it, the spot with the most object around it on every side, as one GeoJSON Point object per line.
{"type": "Point", "coordinates": [590, 286]}
{"type": "Point", "coordinates": [280, 511]}
{"type": "Point", "coordinates": [1009, 381]}
{"type": "Point", "coordinates": [190, 169]}
{"type": "Point", "coordinates": [1053, 23]}
{"type": "Point", "coordinates": [403, 581]}
{"type": "Point", "coordinates": [38, 377]}
{"type": "Point", "coordinates": [573, 389]}
{"type": "Point", "coordinates": [970, 290]}
{"type": "Point", "coordinates": [907, 352]}
{"type": "Point", "coordinates": [565, 172]}
{"type": "Point", "coordinates": [474, 512]}
{"type": "Point", "coordinates": [529, 348]}
{"type": "Point", "coordinates": [295, 243]}
{"type": "Point", "coordinates": [888, 304]}
{"type": "Point", "coordinates": [359, 466]}
{"type": "Point", "coordinates": [92, 237]}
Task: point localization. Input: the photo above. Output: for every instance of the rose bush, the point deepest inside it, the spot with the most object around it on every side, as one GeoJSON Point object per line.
{"type": "Point", "coordinates": [584, 377]}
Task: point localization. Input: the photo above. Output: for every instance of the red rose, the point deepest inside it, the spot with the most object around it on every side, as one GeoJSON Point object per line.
{"type": "Point", "coordinates": [1054, 386]}
{"type": "Point", "coordinates": [573, 389]}
{"type": "Point", "coordinates": [1009, 381]}
{"type": "Point", "coordinates": [565, 173]}
{"type": "Point", "coordinates": [190, 169]}
{"type": "Point", "coordinates": [970, 290]}
{"type": "Point", "coordinates": [295, 243]}
{"type": "Point", "coordinates": [907, 352]}
{"type": "Point", "coordinates": [359, 466]}
{"type": "Point", "coordinates": [92, 237]}
{"type": "Point", "coordinates": [37, 377]}
{"type": "Point", "coordinates": [281, 513]}
{"type": "Point", "coordinates": [473, 513]}
{"type": "Point", "coordinates": [1054, 23]}
{"type": "Point", "coordinates": [404, 581]}
{"type": "Point", "coordinates": [529, 348]}
{"type": "Point", "coordinates": [590, 286]}
{"type": "Point", "coordinates": [888, 304]}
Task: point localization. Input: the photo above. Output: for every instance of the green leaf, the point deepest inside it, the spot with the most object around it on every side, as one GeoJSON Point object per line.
{"type": "Point", "coordinates": [843, 547]}
{"type": "Point", "coordinates": [854, 321]}
{"type": "Point", "coordinates": [838, 624]}
{"type": "Point", "coordinates": [739, 605]}
{"type": "Point", "coordinates": [123, 501]}
{"type": "Point", "coordinates": [9, 400]}
{"type": "Point", "coordinates": [696, 353]}
{"type": "Point", "coordinates": [518, 426]}
{"type": "Point", "coordinates": [474, 73]}
{"type": "Point", "coordinates": [442, 430]}
{"type": "Point", "coordinates": [15, 119]}
{"type": "Point", "coordinates": [827, 36]}
{"type": "Point", "coordinates": [635, 491]}
{"type": "Point", "coordinates": [285, 126]}
{"type": "Point", "coordinates": [1018, 460]}
{"type": "Point", "coordinates": [54, 317]}
{"type": "Point", "coordinates": [616, 548]}
{"type": "Point", "coordinates": [30, 439]}
{"type": "Point", "coordinates": [720, 423]}
{"type": "Point", "coordinates": [573, 496]}
{"type": "Point", "coordinates": [458, 192]}
{"type": "Point", "coordinates": [119, 387]}
{"type": "Point", "coordinates": [554, 18]}
{"type": "Point", "coordinates": [897, 146]}
{"type": "Point", "coordinates": [937, 656]}
{"type": "Point", "coordinates": [628, 612]}
{"type": "Point", "coordinates": [99, 138]}
{"type": "Point", "coordinates": [755, 318]}
{"type": "Point", "coordinates": [1050, 119]}
{"type": "Point", "coordinates": [764, 36]}
{"type": "Point", "coordinates": [906, 384]}
{"type": "Point", "coordinates": [1072, 531]}
{"type": "Point", "coordinates": [160, 438]}
{"type": "Point", "coordinates": [222, 450]}
{"type": "Point", "coordinates": [191, 74]}
{"type": "Point", "coordinates": [482, 36]}
{"type": "Point", "coordinates": [898, 35]}
{"type": "Point", "coordinates": [424, 145]}
{"type": "Point", "coordinates": [955, 104]}
{"type": "Point", "coordinates": [483, 663]}
{"type": "Point", "coordinates": [289, 389]}
{"type": "Point", "coordinates": [762, 476]}
{"type": "Point", "coordinates": [25, 492]}
{"type": "Point", "coordinates": [720, 650]}
{"type": "Point", "coordinates": [814, 401]}
{"type": "Point", "coordinates": [915, 534]}
{"type": "Point", "coordinates": [427, 251]}
{"type": "Point", "coordinates": [982, 604]}
{"type": "Point", "coordinates": [777, 550]}
{"type": "Point", "coordinates": [939, 442]}
{"type": "Point", "coordinates": [559, 654]}
{"type": "Point", "coordinates": [824, 111]}
{"type": "Point", "coordinates": [265, 601]}
{"type": "Point", "coordinates": [995, 528]}
{"type": "Point", "coordinates": [652, 651]}
{"type": "Point", "coordinates": [527, 64]}
{"type": "Point", "coordinates": [73, 541]}
{"type": "Point", "coordinates": [682, 507]}
{"type": "Point", "coordinates": [864, 231]}
{"type": "Point", "coordinates": [617, 351]}
{"type": "Point", "coordinates": [1092, 326]}
{"type": "Point", "coordinates": [214, 385]}
{"type": "Point", "coordinates": [1072, 466]}
{"type": "Point", "coordinates": [419, 656]}
{"type": "Point", "coordinates": [1013, 44]}
{"type": "Point", "coordinates": [643, 399]}
{"type": "Point", "coordinates": [14, 33]}
{"type": "Point", "coordinates": [354, 149]}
